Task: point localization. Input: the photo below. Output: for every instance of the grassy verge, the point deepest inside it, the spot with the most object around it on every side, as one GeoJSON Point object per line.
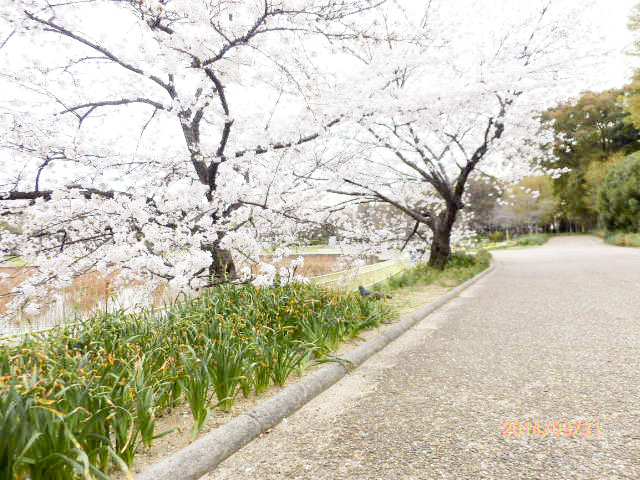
{"type": "Point", "coordinates": [523, 241]}
{"type": "Point", "coordinates": [532, 240]}
{"type": "Point", "coordinates": [82, 399]}
{"type": "Point", "coordinates": [461, 267]}
{"type": "Point", "coordinates": [623, 239]}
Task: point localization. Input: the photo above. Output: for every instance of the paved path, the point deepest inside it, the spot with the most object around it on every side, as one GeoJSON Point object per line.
{"type": "Point", "coordinates": [553, 334]}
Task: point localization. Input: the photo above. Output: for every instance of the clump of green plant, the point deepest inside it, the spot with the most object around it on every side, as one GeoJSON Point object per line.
{"type": "Point", "coordinates": [83, 398]}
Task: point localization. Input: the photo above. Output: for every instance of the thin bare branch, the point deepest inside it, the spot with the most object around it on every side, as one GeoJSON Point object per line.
{"type": "Point", "coordinates": [54, 27]}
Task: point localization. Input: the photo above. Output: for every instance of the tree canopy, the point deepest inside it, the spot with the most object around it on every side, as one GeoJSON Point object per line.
{"type": "Point", "coordinates": [620, 196]}
{"type": "Point", "coordinates": [478, 109]}
{"type": "Point", "coordinates": [587, 135]}
{"type": "Point", "coordinates": [174, 141]}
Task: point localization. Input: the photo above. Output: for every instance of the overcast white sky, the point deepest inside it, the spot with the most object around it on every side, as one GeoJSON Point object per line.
{"type": "Point", "coordinates": [615, 15]}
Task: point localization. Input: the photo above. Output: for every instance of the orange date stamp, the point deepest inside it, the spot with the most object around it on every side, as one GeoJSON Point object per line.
{"type": "Point", "coordinates": [550, 429]}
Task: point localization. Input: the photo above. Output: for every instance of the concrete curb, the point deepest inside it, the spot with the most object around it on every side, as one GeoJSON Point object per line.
{"type": "Point", "coordinates": [207, 452]}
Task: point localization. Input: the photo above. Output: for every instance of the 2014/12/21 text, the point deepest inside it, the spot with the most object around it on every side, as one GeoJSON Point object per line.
{"type": "Point", "coordinates": [547, 429]}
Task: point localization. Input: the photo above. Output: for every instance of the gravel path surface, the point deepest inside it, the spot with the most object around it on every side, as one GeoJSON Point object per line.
{"type": "Point", "coordinates": [552, 335]}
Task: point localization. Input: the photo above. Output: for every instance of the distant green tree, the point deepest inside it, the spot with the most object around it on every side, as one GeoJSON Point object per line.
{"type": "Point", "coordinates": [586, 135]}
{"type": "Point", "coordinates": [620, 196]}
{"type": "Point", "coordinates": [634, 26]}
{"type": "Point", "coordinates": [594, 177]}
{"type": "Point", "coordinates": [632, 99]}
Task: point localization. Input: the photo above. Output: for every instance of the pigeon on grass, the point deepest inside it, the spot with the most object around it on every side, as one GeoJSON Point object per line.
{"type": "Point", "coordinates": [368, 293]}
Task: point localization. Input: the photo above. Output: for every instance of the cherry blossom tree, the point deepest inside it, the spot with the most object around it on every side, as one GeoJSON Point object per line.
{"type": "Point", "coordinates": [172, 140]}
{"type": "Point", "coordinates": [464, 97]}
{"type": "Point", "coordinates": [163, 139]}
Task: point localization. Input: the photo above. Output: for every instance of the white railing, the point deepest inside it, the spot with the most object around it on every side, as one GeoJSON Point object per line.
{"type": "Point", "coordinates": [366, 275]}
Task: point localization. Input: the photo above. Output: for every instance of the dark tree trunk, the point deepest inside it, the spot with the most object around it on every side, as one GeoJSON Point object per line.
{"type": "Point", "coordinates": [441, 242]}
{"type": "Point", "coordinates": [440, 248]}
{"type": "Point", "coordinates": [222, 267]}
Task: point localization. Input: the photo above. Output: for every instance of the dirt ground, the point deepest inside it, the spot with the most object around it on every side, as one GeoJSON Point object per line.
{"type": "Point", "coordinates": [10, 277]}
{"type": "Point", "coordinates": [322, 264]}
